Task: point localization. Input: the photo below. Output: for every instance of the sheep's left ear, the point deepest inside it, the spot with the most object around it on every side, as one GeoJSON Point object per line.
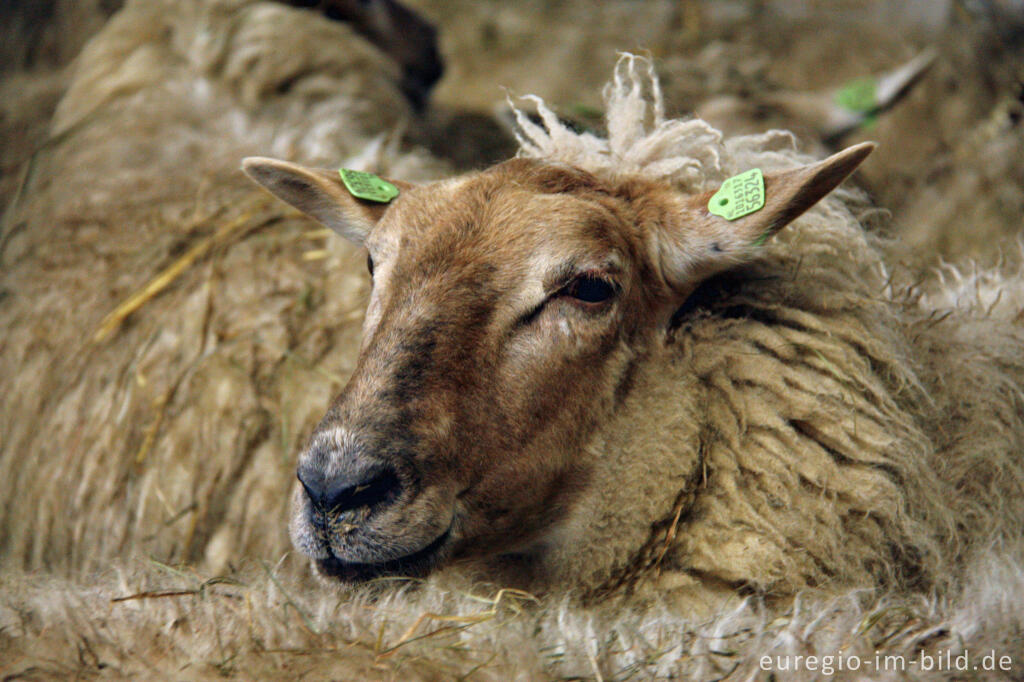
{"type": "Point", "coordinates": [694, 243]}
{"type": "Point", "coordinates": [321, 194]}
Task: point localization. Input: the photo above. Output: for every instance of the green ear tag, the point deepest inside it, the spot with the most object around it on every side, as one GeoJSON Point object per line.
{"type": "Point", "coordinates": [738, 196]}
{"type": "Point", "coordinates": [368, 186]}
{"type": "Point", "coordinates": [859, 95]}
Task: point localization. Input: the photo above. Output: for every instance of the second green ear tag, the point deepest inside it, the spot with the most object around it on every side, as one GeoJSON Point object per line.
{"type": "Point", "coordinates": [738, 196]}
{"type": "Point", "coordinates": [859, 96]}
{"type": "Point", "coordinates": [368, 186]}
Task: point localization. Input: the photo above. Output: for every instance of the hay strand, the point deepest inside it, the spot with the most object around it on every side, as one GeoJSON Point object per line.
{"type": "Point", "coordinates": [242, 223]}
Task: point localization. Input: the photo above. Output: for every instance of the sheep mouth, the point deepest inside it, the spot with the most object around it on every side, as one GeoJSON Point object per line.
{"type": "Point", "coordinates": [414, 565]}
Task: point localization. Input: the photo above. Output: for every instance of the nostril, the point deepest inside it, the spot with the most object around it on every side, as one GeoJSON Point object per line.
{"type": "Point", "coordinates": [379, 488]}
{"type": "Point", "coordinates": [367, 489]}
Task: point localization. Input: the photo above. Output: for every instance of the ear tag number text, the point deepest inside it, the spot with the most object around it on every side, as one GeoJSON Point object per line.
{"type": "Point", "coordinates": [368, 186]}
{"type": "Point", "coordinates": [738, 196]}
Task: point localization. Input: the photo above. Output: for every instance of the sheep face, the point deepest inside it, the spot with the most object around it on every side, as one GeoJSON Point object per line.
{"type": "Point", "coordinates": [509, 312]}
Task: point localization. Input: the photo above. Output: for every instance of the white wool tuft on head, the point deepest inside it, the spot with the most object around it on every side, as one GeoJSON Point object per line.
{"type": "Point", "coordinates": [688, 152]}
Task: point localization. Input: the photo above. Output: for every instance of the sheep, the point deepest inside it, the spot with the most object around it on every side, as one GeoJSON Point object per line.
{"type": "Point", "coordinates": [575, 375]}
{"type": "Point", "coordinates": [138, 176]}
{"type": "Point", "coordinates": [171, 438]}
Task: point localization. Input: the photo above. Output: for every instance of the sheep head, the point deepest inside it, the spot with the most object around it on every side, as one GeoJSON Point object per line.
{"type": "Point", "coordinates": [509, 311]}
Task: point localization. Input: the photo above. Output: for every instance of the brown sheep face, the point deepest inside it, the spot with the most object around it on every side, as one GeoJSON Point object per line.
{"type": "Point", "coordinates": [509, 311]}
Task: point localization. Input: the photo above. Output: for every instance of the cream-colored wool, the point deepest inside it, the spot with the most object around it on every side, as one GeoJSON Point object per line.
{"type": "Point", "coordinates": [850, 437]}
{"type": "Point", "coordinates": [827, 442]}
{"type": "Point", "coordinates": [174, 436]}
{"type": "Point", "coordinates": [259, 67]}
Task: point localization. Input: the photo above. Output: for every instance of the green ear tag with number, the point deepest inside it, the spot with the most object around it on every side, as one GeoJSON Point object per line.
{"type": "Point", "coordinates": [368, 186]}
{"type": "Point", "coordinates": [738, 196]}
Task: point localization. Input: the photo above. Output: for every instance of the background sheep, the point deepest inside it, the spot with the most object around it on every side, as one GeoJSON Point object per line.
{"type": "Point", "coordinates": [116, 426]}
{"type": "Point", "coordinates": [198, 86]}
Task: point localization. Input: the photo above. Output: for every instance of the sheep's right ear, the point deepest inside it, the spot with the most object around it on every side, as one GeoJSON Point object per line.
{"type": "Point", "coordinates": [319, 193]}
{"type": "Point", "coordinates": [694, 242]}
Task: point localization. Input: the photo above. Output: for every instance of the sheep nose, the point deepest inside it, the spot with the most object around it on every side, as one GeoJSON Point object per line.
{"type": "Point", "coordinates": [366, 487]}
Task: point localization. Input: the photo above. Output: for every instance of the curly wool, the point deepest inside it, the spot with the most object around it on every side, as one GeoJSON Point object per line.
{"type": "Point", "coordinates": [689, 153]}
{"type": "Point", "coordinates": [834, 449]}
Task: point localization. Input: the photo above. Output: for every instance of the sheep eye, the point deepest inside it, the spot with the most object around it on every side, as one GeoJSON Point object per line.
{"type": "Point", "coordinates": [589, 289]}
{"type": "Point", "coordinates": [369, 264]}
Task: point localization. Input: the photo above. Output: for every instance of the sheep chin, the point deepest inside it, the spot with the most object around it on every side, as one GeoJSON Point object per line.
{"type": "Point", "coordinates": [415, 565]}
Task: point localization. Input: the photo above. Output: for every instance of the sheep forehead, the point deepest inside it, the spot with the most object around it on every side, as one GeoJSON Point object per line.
{"type": "Point", "coordinates": [517, 220]}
